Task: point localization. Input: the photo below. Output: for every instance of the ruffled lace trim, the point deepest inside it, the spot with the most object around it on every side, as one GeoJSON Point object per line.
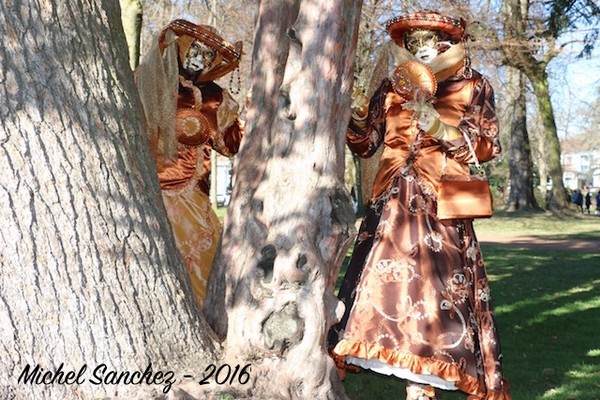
{"type": "Point", "coordinates": [402, 364]}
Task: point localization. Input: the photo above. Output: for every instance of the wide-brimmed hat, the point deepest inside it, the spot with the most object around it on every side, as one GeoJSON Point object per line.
{"type": "Point", "coordinates": [228, 54]}
{"type": "Point", "coordinates": [426, 19]}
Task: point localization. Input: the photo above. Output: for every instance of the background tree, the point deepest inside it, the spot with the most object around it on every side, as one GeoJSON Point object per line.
{"type": "Point", "coordinates": [525, 35]}
{"type": "Point", "coordinates": [90, 272]}
{"type": "Point", "coordinates": [528, 36]}
{"type": "Point", "coordinates": [591, 114]}
{"type": "Point", "coordinates": [290, 221]}
{"type": "Point", "coordinates": [521, 195]}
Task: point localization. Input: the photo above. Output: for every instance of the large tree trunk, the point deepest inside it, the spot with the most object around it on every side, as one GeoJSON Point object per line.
{"type": "Point", "coordinates": [290, 222]}
{"type": "Point", "coordinates": [521, 195]}
{"type": "Point", "coordinates": [539, 81]}
{"type": "Point", "coordinates": [90, 274]}
{"type": "Point", "coordinates": [518, 54]}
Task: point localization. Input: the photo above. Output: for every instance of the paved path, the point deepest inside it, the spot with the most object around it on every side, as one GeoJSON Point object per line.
{"type": "Point", "coordinates": [542, 243]}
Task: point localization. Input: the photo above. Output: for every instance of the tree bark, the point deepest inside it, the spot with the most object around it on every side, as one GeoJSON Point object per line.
{"type": "Point", "coordinates": [517, 54]}
{"type": "Point", "coordinates": [539, 81]}
{"type": "Point", "coordinates": [90, 273]}
{"type": "Point", "coordinates": [291, 221]}
{"type": "Point", "coordinates": [521, 196]}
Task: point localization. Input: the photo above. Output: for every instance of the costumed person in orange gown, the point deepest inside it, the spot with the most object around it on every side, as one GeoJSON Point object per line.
{"type": "Point", "coordinates": [188, 115]}
{"type": "Point", "coordinates": [416, 292]}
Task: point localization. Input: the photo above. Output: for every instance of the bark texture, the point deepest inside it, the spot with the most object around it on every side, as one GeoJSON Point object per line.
{"type": "Point", "coordinates": [518, 54]}
{"type": "Point", "coordinates": [539, 81]}
{"type": "Point", "coordinates": [90, 274]}
{"type": "Point", "coordinates": [521, 195]}
{"type": "Point", "coordinates": [291, 221]}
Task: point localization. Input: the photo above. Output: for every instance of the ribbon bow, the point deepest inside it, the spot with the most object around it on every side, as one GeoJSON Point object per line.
{"type": "Point", "coordinates": [421, 104]}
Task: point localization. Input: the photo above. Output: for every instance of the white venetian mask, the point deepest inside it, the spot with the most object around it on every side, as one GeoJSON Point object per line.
{"type": "Point", "coordinates": [422, 44]}
{"type": "Point", "coordinates": [199, 58]}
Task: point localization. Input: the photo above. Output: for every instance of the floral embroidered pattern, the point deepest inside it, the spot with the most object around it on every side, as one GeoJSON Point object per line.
{"type": "Point", "coordinates": [416, 290]}
{"type": "Point", "coordinates": [416, 203]}
{"type": "Point", "coordinates": [434, 241]}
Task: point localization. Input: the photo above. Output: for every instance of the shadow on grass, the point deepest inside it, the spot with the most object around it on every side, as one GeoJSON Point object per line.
{"type": "Point", "coordinates": [548, 311]}
{"type": "Point", "coordinates": [547, 305]}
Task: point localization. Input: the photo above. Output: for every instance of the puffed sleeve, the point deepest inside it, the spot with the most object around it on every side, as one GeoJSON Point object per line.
{"type": "Point", "coordinates": [480, 124]}
{"type": "Point", "coordinates": [229, 128]}
{"type": "Point", "coordinates": [365, 141]}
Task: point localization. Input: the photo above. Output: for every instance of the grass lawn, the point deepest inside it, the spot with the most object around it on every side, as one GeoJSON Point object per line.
{"type": "Point", "coordinates": [220, 211]}
{"type": "Point", "coordinates": [540, 225]}
{"type": "Point", "coordinates": [548, 312]}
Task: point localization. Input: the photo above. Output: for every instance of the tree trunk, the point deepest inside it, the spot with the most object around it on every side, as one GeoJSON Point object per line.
{"type": "Point", "coordinates": [90, 273]}
{"type": "Point", "coordinates": [517, 54]}
{"type": "Point", "coordinates": [538, 151]}
{"type": "Point", "coordinates": [521, 195]}
{"type": "Point", "coordinates": [290, 222]}
{"type": "Point", "coordinates": [539, 81]}
{"type": "Point", "coordinates": [131, 17]}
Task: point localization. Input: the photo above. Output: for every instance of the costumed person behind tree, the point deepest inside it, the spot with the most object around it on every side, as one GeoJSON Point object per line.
{"type": "Point", "coordinates": [416, 291]}
{"type": "Point", "coordinates": [188, 115]}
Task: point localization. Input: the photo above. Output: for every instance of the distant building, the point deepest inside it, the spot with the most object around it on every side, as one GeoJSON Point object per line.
{"type": "Point", "coordinates": [223, 180]}
{"type": "Point", "coordinates": [580, 160]}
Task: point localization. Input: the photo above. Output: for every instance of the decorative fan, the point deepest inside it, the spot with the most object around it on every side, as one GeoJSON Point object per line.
{"type": "Point", "coordinates": [414, 81]}
{"type": "Point", "coordinates": [192, 127]}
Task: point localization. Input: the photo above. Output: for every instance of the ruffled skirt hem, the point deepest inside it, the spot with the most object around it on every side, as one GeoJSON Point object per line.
{"type": "Point", "coordinates": [408, 366]}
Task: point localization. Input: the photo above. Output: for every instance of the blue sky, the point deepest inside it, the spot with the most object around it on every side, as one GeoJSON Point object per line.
{"type": "Point", "coordinates": [574, 86]}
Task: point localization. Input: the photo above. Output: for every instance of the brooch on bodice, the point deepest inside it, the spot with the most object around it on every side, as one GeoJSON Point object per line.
{"type": "Point", "coordinates": [193, 128]}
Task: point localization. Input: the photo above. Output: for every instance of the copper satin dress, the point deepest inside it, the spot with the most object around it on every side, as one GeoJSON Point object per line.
{"type": "Point", "coordinates": [417, 298]}
{"type": "Point", "coordinates": [185, 181]}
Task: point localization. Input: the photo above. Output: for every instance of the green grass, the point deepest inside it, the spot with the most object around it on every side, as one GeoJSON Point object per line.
{"type": "Point", "coordinates": [540, 224]}
{"type": "Point", "coordinates": [220, 211]}
{"type": "Point", "coordinates": [548, 313]}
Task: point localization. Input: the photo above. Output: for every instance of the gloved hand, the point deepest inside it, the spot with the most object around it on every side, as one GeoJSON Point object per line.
{"type": "Point", "coordinates": [427, 119]}
{"type": "Point", "coordinates": [360, 107]}
{"type": "Point", "coordinates": [430, 123]}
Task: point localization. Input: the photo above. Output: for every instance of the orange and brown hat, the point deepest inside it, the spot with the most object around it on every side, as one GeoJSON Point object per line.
{"type": "Point", "coordinates": [228, 54]}
{"type": "Point", "coordinates": [398, 26]}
